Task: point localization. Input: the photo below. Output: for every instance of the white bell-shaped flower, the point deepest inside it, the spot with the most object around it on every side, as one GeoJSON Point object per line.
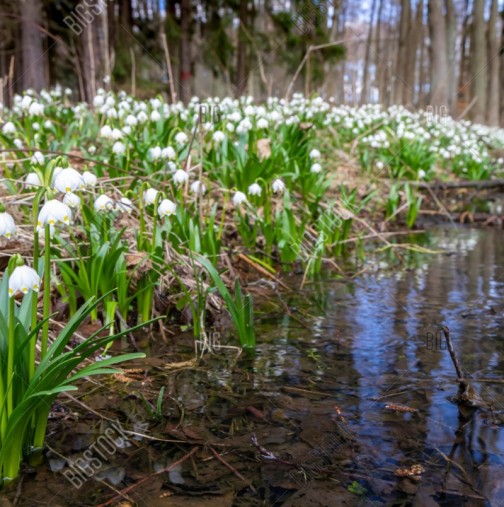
{"type": "Point", "coordinates": [7, 225]}
{"type": "Point", "coordinates": [89, 178]}
{"type": "Point", "coordinates": [278, 186]}
{"type": "Point", "coordinates": [180, 177]}
{"type": "Point", "coordinates": [315, 168]}
{"type": "Point", "coordinates": [119, 148]}
{"type": "Point", "coordinates": [103, 203]}
{"type": "Point", "coordinates": [181, 138]}
{"type": "Point", "coordinates": [68, 180]}
{"type": "Point", "coordinates": [23, 279]}
{"type": "Point", "coordinates": [53, 213]}
{"type": "Point", "coordinates": [254, 189]}
{"type": "Point", "coordinates": [149, 196]}
{"type": "Point", "coordinates": [166, 208]}
{"type": "Point", "coordinates": [314, 154]}
{"type": "Point", "coordinates": [168, 153]}
{"type": "Point", "coordinates": [218, 136]}
{"type": "Point", "coordinates": [9, 128]}
{"type": "Point", "coordinates": [124, 205]}
{"type": "Point", "coordinates": [197, 187]}
{"type": "Point", "coordinates": [38, 158]}
{"type": "Point", "coordinates": [72, 200]}
{"type": "Point", "coordinates": [239, 198]}
{"type": "Point", "coordinates": [32, 180]}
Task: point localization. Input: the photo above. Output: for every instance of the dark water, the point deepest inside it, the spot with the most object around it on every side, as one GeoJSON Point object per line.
{"type": "Point", "coordinates": [330, 359]}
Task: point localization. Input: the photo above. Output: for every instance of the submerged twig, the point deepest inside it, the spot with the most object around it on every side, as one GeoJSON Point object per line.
{"type": "Point", "coordinates": [462, 382]}
{"type": "Point", "coordinates": [236, 472]}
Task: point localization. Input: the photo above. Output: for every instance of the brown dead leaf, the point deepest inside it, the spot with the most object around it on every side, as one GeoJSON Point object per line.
{"type": "Point", "coordinates": [264, 148]}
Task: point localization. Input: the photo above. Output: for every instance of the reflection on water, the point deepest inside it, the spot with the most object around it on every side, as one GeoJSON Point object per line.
{"type": "Point", "coordinates": [377, 340]}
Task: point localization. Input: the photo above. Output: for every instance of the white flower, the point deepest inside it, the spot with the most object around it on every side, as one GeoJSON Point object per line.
{"type": "Point", "coordinates": [55, 173]}
{"type": "Point", "coordinates": [131, 120]}
{"type": "Point", "coordinates": [218, 136]}
{"type": "Point", "coordinates": [47, 124]}
{"type": "Point", "coordinates": [198, 187]}
{"type": "Point", "coordinates": [168, 153]}
{"type": "Point", "coordinates": [72, 200]}
{"type": "Point", "coordinates": [36, 109]}
{"type": "Point", "coordinates": [32, 180]}
{"type": "Point", "coordinates": [142, 116]}
{"type": "Point", "coordinates": [149, 196]}
{"type": "Point", "coordinates": [37, 158]}
{"type": "Point", "coordinates": [9, 128]}
{"type": "Point", "coordinates": [92, 150]}
{"type": "Point", "coordinates": [254, 189]}
{"type": "Point", "coordinates": [155, 116]}
{"type": "Point", "coordinates": [278, 186]}
{"type": "Point", "coordinates": [23, 279]}
{"type": "Point", "coordinates": [124, 205]}
{"type": "Point", "coordinates": [18, 143]}
{"type": "Point", "coordinates": [262, 123]}
{"type": "Point", "coordinates": [68, 180]}
{"type": "Point", "coordinates": [103, 203]}
{"type": "Point", "coordinates": [98, 101]}
{"type": "Point", "coordinates": [7, 225]}
{"type": "Point", "coordinates": [181, 138]}
{"type": "Point", "coordinates": [89, 178]}
{"type": "Point", "coordinates": [380, 165]}
{"type": "Point", "coordinates": [315, 168]}
{"type": "Point", "coordinates": [180, 177]}
{"type": "Point", "coordinates": [117, 134]}
{"type": "Point", "coordinates": [127, 130]}
{"type": "Point", "coordinates": [52, 213]}
{"type": "Point", "coordinates": [166, 208]}
{"type": "Point", "coordinates": [119, 148]}
{"type": "Point", "coordinates": [422, 174]}
{"type": "Point", "coordinates": [238, 198]}
{"type": "Point", "coordinates": [106, 132]}
{"type": "Point", "coordinates": [314, 154]}
{"type": "Point", "coordinates": [155, 152]}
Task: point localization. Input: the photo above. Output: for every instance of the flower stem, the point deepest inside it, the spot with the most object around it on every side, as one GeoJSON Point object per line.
{"type": "Point", "coordinates": [34, 315]}
{"type": "Point", "coordinates": [47, 290]}
{"type": "Point", "coordinates": [10, 357]}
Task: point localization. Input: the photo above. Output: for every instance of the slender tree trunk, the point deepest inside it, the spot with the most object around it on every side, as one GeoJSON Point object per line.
{"type": "Point", "coordinates": [438, 55]}
{"type": "Point", "coordinates": [378, 53]}
{"type": "Point", "coordinates": [411, 55]}
{"type": "Point", "coordinates": [185, 51]}
{"type": "Point", "coordinates": [492, 116]}
{"type": "Point", "coordinates": [364, 98]}
{"type": "Point", "coordinates": [501, 72]}
{"type": "Point", "coordinates": [463, 85]}
{"type": "Point", "coordinates": [33, 45]}
{"type": "Point", "coordinates": [451, 35]}
{"type": "Point", "coordinates": [479, 62]}
{"type": "Point", "coordinates": [241, 55]}
{"type": "Point", "coordinates": [402, 79]}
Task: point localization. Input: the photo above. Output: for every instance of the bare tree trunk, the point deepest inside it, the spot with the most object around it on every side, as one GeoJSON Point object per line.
{"type": "Point", "coordinates": [501, 107]}
{"type": "Point", "coordinates": [379, 45]}
{"type": "Point", "coordinates": [364, 98]}
{"type": "Point", "coordinates": [415, 31]}
{"type": "Point", "coordinates": [463, 85]}
{"type": "Point", "coordinates": [185, 51]}
{"type": "Point", "coordinates": [241, 56]}
{"type": "Point", "coordinates": [451, 35]}
{"type": "Point", "coordinates": [438, 55]}
{"type": "Point", "coordinates": [479, 62]}
{"type": "Point", "coordinates": [492, 116]}
{"type": "Point", "coordinates": [402, 80]}
{"type": "Point", "coordinates": [33, 45]}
